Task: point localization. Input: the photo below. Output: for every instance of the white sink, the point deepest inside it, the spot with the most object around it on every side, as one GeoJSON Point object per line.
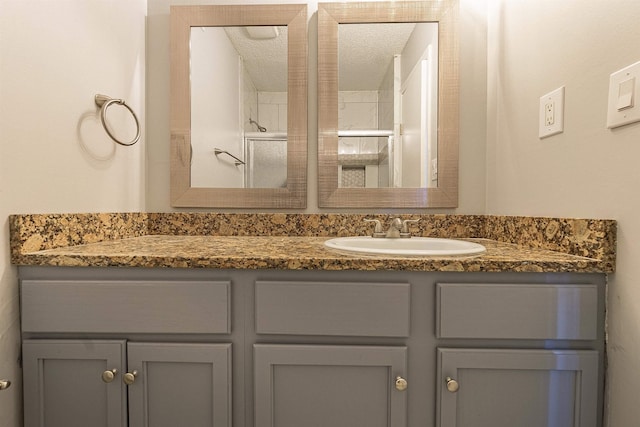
{"type": "Point", "coordinates": [425, 246]}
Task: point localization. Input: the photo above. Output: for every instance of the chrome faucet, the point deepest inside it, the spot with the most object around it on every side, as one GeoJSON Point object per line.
{"type": "Point", "coordinates": [404, 232]}
{"type": "Point", "coordinates": [394, 229]}
{"type": "Point", "coordinates": [377, 231]}
{"type": "Point", "coordinates": [398, 228]}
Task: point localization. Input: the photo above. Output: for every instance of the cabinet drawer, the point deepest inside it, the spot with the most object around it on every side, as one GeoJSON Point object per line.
{"type": "Point", "coordinates": [333, 308]}
{"type": "Point", "coordinates": [126, 306]}
{"type": "Point", "coordinates": [512, 311]}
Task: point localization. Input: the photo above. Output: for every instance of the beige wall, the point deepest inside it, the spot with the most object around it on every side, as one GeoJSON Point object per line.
{"type": "Point", "coordinates": [588, 171]}
{"type": "Point", "coordinates": [54, 155]}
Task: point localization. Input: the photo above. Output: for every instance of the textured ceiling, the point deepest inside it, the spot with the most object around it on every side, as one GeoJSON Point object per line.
{"type": "Point", "coordinates": [264, 59]}
{"type": "Point", "coordinates": [365, 51]}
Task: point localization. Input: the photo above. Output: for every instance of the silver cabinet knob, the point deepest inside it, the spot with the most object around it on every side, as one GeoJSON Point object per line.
{"type": "Point", "coordinates": [130, 377]}
{"type": "Point", "coordinates": [109, 375]}
{"type": "Point", "coordinates": [4, 384]}
{"type": "Point", "coordinates": [401, 384]}
{"type": "Point", "coordinates": [452, 385]}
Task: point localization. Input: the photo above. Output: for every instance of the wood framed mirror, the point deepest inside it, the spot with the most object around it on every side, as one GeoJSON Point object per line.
{"type": "Point", "coordinates": [222, 153]}
{"type": "Point", "coordinates": [384, 177]}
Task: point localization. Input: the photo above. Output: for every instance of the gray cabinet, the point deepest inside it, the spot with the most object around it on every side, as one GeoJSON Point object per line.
{"type": "Point", "coordinates": [81, 383]}
{"type": "Point", "coordinates": [311, 348]}
{"type": "Point", "coordinates": [558, 311]}
{"type": "Point", "coordinates": [126, 306]}
{"type": "Point", "coordinates": [549, 386]}
{"type": "Point", "coordinates": [333, 386]}
{"type": "Point", "coordinates": [353, 308]}
{"type": "Point", "coordinates": [63, 386]}
{"type": "Point", "coordinates": [524, 388]}
{"type": "Point", "coordinates": [184, 384]}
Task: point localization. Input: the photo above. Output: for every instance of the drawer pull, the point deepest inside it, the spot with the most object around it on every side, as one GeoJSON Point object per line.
{"type": "Point", "coordinates": [452, 385]}
{"type": "Point", "coordinates": [130, 377]}
{"type": "Point", "coordinates": [401, 384]}
{"type": "Point", "coordinates": [109, 375]}
{"type": "Point", "coordinates": [4, 384]}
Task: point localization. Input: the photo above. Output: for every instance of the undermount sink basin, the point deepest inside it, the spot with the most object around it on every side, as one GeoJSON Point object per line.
{"type": "Point", "coordinates": [425, 246]}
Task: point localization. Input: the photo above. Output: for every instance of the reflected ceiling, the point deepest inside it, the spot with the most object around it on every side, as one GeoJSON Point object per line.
{"type": "Point", "coordinates": [365, 50]}
{"type": "Point", "coordinates": [264, 59]}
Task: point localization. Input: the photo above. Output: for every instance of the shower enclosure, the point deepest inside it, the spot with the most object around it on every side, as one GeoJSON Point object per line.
{"type": "Point", "coordinates": [266, 160]}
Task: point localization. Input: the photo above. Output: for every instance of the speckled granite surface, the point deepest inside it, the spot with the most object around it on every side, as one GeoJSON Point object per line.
{"type": "Point", "coordinates": [295, 241]}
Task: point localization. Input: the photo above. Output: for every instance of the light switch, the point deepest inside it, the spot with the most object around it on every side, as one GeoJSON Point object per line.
{"type": "Point", "coordinates": [623, 107]}
{"type": "Point", "coordinates": [625, 94]}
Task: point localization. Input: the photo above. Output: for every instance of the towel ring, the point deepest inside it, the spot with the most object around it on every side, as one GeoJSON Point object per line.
{"type": "Point", "coordinates": [104, 102]}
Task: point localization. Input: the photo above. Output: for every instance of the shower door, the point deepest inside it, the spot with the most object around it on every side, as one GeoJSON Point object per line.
{"type": "Point", "coordinates": [266, 161]}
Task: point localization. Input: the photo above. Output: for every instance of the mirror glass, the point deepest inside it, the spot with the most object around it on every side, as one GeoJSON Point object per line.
{"type": "Point", "coordinates": [388, 104]}
{"type": "Point", "coordinates": [238, 106]}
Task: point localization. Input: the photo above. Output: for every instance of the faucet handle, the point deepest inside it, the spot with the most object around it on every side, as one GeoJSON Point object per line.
{"type": "Point", "coordinates": [377, 231]}
{"type": "Point", "coordinates": [404, 232]}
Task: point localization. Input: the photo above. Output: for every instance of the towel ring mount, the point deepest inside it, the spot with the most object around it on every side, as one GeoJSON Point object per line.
{"type": "Point", "coordinates": [105, 102]}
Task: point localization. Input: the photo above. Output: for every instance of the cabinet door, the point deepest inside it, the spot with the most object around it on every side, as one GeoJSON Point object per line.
{"type": "Point", "coordinates": [182, 384]}
{"type": "Point", "coordinates": [524, 388]}
{"type": "Point", "coordinates": [63, 384]}
{"type": "Point", "coordinates": [329, 386]}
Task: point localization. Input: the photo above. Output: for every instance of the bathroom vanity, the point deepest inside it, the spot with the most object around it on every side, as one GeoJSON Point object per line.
{"type": "Point", "coordinates": [114, 337]}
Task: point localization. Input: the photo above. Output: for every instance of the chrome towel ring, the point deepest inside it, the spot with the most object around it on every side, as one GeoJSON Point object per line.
{"type": "Point", "coordinates": [104, 102]}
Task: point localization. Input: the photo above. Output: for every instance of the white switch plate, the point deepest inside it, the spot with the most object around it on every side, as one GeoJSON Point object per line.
{"type": "Point", "coordinates": [624, 96]}
{"type": "Point", "coordinates": [551, 116]}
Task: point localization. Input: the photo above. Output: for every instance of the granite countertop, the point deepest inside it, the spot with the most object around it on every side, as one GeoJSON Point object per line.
{"type": "Point", "coordinates": [296, 242]}
{"type": "Point", "coordinates": [295, 253]}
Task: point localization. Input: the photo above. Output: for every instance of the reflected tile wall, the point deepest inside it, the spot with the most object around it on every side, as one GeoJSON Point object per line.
{"type": "Point", "coordinates": [272, 111]}
{"type": "Point", "coordinates": [358, 110]}
{"type": "Point", "coordinates": [250, 101]}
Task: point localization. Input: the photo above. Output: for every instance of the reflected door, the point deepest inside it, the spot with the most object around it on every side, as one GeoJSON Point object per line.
{"type": "Point", "coordinates": [415, 150]}
{"type": "Point", "coordinates": [266, 162]}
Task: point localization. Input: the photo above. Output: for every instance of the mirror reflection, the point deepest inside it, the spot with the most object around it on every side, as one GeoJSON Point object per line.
{"type": "Point", "coordinates": [387, 105]}
{"type": "Point", "coordinates": [239, 106]}
{"type": "Point", "coordinates": [238, 79]}
{"type": "Point", "coordinates": [415, 155]}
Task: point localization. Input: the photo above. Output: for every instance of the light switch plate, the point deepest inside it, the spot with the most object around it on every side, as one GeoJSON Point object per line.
{"type": "Point", "coordinates": [551, 115]}
{"type": "Point", "coordinates": [624, 96]}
